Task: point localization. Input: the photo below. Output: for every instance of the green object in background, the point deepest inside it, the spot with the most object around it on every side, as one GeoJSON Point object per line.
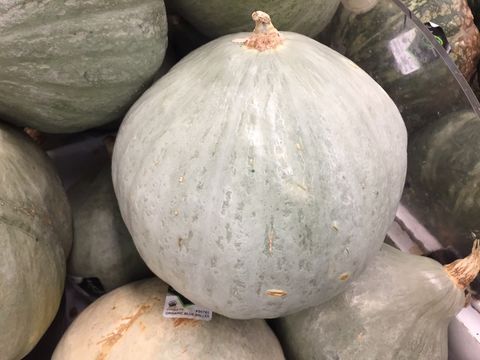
{"type": "Point", "coordinates": [215, 18]}
{"type": "Point", "coordinates": [444, 178]}
{"type": "Point", "coordinates": [66, 66]}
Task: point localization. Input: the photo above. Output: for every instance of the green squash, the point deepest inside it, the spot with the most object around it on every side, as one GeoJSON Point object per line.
{"type": "Point", "coordinates": [128, 323]}
{"type": "Point", "coordinates": [102, 247]}
{"type": "Point", "coordinates": [444, 163]}
{"type": "Point", "coordinates": [34, 223]}
{"type": "Point", "coordinates": [401, 59]}
{"type": "Point", "coordinates": [246, 176]}
{"type": "Point", "coordinates": [215, 18]}
{"type": "Point", "coordinates": [399, 308]}
{"type": "Point", "coordinates": [456, 19]}
{"type": "Point", "coordinates": [66, 66]}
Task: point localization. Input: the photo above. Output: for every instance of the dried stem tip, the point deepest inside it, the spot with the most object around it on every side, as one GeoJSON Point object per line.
{"type": "Point", "coordinates": [35, 135]}
{"type": "Point", "coordinates": [265, 36]}
{"type": "Point", "coordinates": [464, 271]}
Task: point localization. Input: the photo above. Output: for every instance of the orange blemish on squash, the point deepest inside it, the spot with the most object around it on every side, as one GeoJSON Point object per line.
{"type": "Point", "coordinates": [276, 293]}
{"type": "Point", "coordinates": [182, 321]}
{"type": "Point", "coordinates": [344, 276]}
{"type": "Point", "coordinates": [110, 340]}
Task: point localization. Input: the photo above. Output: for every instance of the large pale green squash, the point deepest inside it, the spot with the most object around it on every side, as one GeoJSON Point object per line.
{"type": "Point", "coordinates": [456, 19]}
{"type": "Point", "coordinates": [399, 308]}
{"type": "Point", "coordinates": [66, 66]}
{"type": "Point", "coordinates": [102, 246]}
{"type": "Point", "coordinates": [128, 323]}
{"type": "Point", "coordinates": [258, 182]}
{"type": "Point", "coordinates": [220, 17]}
{"type": "Point", "coordinates": [34, 223]}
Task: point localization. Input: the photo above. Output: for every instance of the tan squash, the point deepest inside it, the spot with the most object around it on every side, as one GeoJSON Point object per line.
{"type": "Point", "coordinates": [128, 323]}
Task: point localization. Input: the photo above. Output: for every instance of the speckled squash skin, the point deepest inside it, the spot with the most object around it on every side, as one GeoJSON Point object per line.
{"type": "Point", "coordinates": [258, 183]}
{"type": "Point", "coordinates": [215, 18]}
{"type": "Point", "coordinates": [399, 308]}
{"type": "Point", "coordinates": [456, 19]}
{"type": "Point", "coordinates": [66, 66]}
{"type": "Point", "coordinates": [128, 323]}
{"type": "Point", "coordinates": [102, 246]}
{"type": "Point", "coordinates": [34, 224]}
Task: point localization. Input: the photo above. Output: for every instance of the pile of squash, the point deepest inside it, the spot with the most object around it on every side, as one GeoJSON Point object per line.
{"type": "Point", "coordinates": [257, 177]}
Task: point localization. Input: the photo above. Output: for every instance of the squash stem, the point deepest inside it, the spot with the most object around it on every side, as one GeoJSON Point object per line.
{"type": "Point", "coordinates": [37, 136]}
{"type": "Point", "coordinates": [265, 36]}
{"type": "Point", "coordinates": [464, 271]}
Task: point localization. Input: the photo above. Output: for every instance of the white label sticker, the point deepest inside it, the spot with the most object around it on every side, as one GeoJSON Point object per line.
{"type": "Point", "coordinates": [176, 306]}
